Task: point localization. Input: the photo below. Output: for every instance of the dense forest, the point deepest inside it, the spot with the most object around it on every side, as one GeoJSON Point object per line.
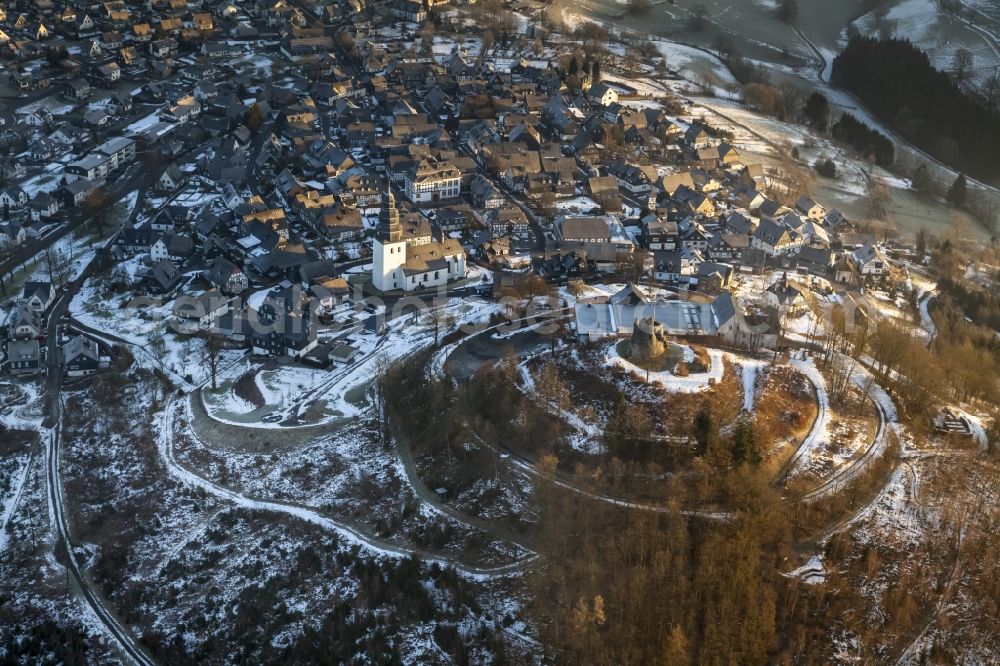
{"type": "Point", "coordinates": [980, 305]}
{"type": "Point", "coordinates": [684, 590]}
{"type": "Point", "coordinates": [897, 81]}
{"type": "Point", "coordinates": [865, 140]}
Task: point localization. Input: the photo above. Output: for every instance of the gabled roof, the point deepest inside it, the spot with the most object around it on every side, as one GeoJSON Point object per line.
{"type": "Point", "coordinates": [43, 290]}
{"type": "Point", "coordinates": [81, 346]}
{"type": "Point", "coordinates": [221, 270]}
{"type": "Point", "coordinates": [770, 232]}
{"type": "Point", "coordinates": [631, 294]}
{"type": "Point", "coordinates": [805, 203]}
{"type": "Point", "coordinates": [724, 308]}
{"type": "Point", "coordinates": [164, 274]}
{"type": "Point", "coordinates": [177, 244]}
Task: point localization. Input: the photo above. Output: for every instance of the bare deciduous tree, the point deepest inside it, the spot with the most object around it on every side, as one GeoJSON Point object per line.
{"type": "Point", "coordinates": [961, 65]}
{"type": "Point", "coordinates": [210, 356]}
{"type": "Point", "coordinates": [440, 319]}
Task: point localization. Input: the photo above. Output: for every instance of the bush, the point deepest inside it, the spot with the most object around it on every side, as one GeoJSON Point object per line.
{"type": "Point", "coordinates": [826, 168]}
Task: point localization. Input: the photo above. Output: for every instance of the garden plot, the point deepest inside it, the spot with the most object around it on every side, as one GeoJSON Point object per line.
{"type": "Point", "coordinates": [143, 326]}
{"type": "Point", "coordinates": [805, 328]}
{"type": "Point", "coordinates": [49, 180]}
{"type": "Point", "coordinates": [892, 307]}
{"type": "Point", "coordinates": [100, 306]}
{"type": "Point", "coordinates": [262, 63]}
{"type": "Point", "coordinates": [62, 263]}
{"type": "Point", "coordinates": [195, 196]}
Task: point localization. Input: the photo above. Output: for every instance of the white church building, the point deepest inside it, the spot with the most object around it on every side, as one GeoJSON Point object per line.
{"type": "Point", "coordinates": [409, 259]}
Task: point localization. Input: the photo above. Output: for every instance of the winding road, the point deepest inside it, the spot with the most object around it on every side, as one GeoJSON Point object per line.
{"type": "Point", "coordinates": [856, 467]}
{"type": "Point", "coordinates": [128, 645]}
{"type": "Point", "coordinates": [377, 545]}
{"type": "Point", "coordinates": [101, 608]}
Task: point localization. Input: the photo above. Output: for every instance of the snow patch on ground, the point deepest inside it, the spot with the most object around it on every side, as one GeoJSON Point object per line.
{"type": "Point", "coordinates": [820, 429]}
{"type": "Point", "coordinates": [693, 383]}
{"type": "Point", "coordinates": [751, 370]}
{"type": "Point", "coordinates": [811, 573]}
{"type": "Point", "coordinates": [588, 435]}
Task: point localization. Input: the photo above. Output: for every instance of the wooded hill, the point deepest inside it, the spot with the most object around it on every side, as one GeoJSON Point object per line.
{"type": "Point", "coordinates": [901, 87]}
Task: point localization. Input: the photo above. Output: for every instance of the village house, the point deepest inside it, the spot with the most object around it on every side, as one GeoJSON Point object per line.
{"type": "Point", "coordinates": [82, 356]}
{"type": "Point", "coordinates": [786, 297]}
{"type": "Point", "coordinates": [483, 194]}
{"type": "Point", "coordinates": [170, 179]}
{"type": "Point", "coordinates": [774, 238]}
{"type": "Point", "coordinates": [172, 247]}
{"type": "Point", "coordinates": [593, 230]}
{"type": "Point", "coordinates": [226, 276]}
{"type": "Point", "coordinates": [870, 261]}
{"type": "Point", "coordinates": [12, 198]}
{"type": "Point", "coordinates": [162, 278]}
{"type": "Point", "coordinates": [676, 265]}
{"type": "Point", "coordinates": [24, 322]}
{"type": "Point", "coordinates": [661, 234]}
{"type": "Point", "coordinates": [431, 180]}
{"type": "Point", "coordinates": [23, 357]}
{"type": "Point", "coordinates": [202, 312]}
{"type": "Point", "coordinates": [44, 206]}
{"type": "Point", "coordinates": [808, 207]}
{"type": "Point", "coordinates": [38, 295]}
{"type": "Point", "coordinates": [340, 224]}
{"type": "Point", "coordinates": [602, 94]}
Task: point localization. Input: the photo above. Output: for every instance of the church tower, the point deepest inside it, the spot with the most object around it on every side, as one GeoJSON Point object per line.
{"type": "Point", "coordinates": [389, 249]}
